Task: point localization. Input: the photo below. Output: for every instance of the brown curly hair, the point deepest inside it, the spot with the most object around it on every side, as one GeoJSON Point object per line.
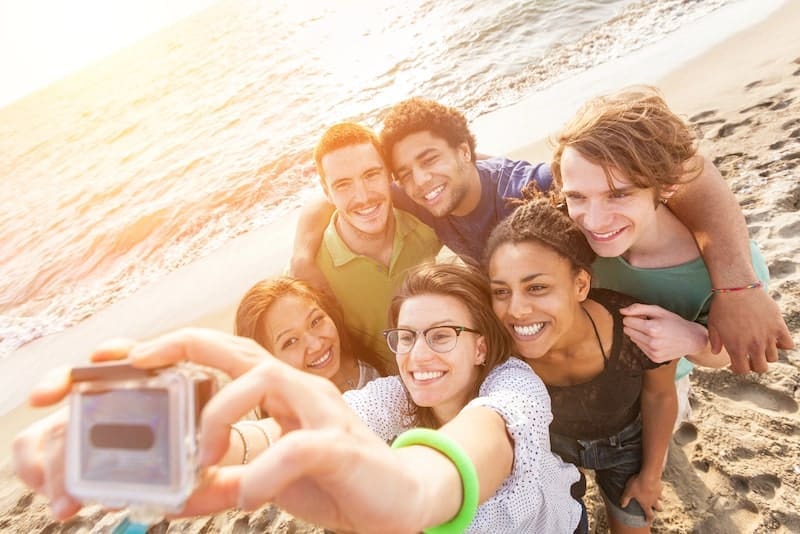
{"type": "Point", "coordinates": [633, 132]}
{"type": "Point", "coordinates": [469, 285]}
{"type": "Point", "coordinates": [419, 115]}
{"type": "Point", "coordinates": [540, 221]}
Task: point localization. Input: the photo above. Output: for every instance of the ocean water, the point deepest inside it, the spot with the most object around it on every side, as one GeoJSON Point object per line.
{"type": "Point", "coordinates": [166, 150]}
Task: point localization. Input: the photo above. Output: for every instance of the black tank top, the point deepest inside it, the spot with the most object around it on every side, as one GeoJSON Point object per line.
{"type": "Point", "coordinates": [608, 402]}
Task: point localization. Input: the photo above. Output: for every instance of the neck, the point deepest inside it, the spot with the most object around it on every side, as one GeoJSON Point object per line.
{"type": "Point", "coordinates": [473, 195]}
{"type": "Point", "coordinates": [375, 246]}
{"type": "Point", "coordinates": [346, 378]}
{"type": "Point", "coordinates": [663, 243]}
{"type": "Point", "coordinates": [572, 345]}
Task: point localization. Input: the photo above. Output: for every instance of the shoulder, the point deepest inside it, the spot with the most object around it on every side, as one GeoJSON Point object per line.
{"type": "Point", "coordinates": [611, 300]}
{"type": "Point", "coordinates": [515, 392]}
{"type": "Point", "coordinates": [511, 176]}
{"type": "Point", "coordinates": [409, 225]}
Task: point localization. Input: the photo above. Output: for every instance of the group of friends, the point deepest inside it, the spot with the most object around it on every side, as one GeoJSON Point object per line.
{"type": "Point", "coordinates": [555, 333]}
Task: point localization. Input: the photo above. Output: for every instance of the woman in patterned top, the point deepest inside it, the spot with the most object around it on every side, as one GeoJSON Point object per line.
{"type": "Point", "coordinates": [613, 408]}
{"type": "Point", "coordinates": [329, 463]}
{"type": "Point", "coordinates": [304, 327]}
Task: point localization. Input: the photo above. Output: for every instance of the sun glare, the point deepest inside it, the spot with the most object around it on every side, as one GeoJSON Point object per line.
{"type": "Point", "coordinates": [44, 40]}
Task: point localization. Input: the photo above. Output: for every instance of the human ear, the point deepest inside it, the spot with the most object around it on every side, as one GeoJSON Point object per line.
{"type": "Point", "coordinates": [464, 152]}
{"type": "Point", "coordinates": [667, 192]}
{"type": "Point", "coordinates": [583, 283]}
{"type": "Point", "coordinates": [480, 351]}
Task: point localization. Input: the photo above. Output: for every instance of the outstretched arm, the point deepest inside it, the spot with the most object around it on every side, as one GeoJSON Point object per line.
{"type": "Point", "coordinates": [328, 467]}
{"type": "Point", "coordinates": [311, 224]}
{"type": "Point", "coordinates": [747, 323]}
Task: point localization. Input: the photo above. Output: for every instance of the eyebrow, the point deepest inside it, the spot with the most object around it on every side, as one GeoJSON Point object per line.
{"type": "Point", "coordinates": [436, 323]}
{"type": "Point", "coordinates": [524, 279]}
{"type": "Point", "coordinates": [625, 189]}
{"type": "Point", "coordinates": [422, 155]}
{"type": "Point", "coordinates": [284, 332]}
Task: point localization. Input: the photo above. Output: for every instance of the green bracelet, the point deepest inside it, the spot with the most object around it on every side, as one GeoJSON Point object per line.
{"type": "Point", "coordinates": [469, 476]}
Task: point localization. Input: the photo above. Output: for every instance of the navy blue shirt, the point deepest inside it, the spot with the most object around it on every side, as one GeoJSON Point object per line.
{"type": "Point", "coordinates": [501, 179]}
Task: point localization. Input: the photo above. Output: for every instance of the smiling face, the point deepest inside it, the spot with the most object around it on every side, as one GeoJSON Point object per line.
{"type": "Point", "coordinates": [301, 334]}
{"type": "Point", "coordinates": [612, 221]}
{"type": "Point", "coordinates": [357, 182]}
{"type": "Point", "coordinates": [537, 295]}
{"type": "Point", "coordinates": [438, 177]}
{"type": "Point", "coordinates": [441, 381]}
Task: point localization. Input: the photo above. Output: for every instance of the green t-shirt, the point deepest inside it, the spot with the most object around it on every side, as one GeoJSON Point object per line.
{"type": "Point", "coordinates": [682, 289]}
{"type": "Point", "coordinates": [364, 286]}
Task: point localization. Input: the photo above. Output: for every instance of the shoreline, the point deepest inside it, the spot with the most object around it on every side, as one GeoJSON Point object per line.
{"type": "Point", "coordinates": [737, 80]}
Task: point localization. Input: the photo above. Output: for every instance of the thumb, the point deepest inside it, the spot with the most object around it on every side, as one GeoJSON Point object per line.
{"type": "Point", "coordinates": [52, 388]}
{"type": "Point", "coordinates": [715, 339]}
{"type": "Point", "coordinates": [626, 497]}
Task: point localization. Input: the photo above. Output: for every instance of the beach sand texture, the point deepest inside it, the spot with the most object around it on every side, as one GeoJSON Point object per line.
{"type": "Point", "coordinates": [736, 466]}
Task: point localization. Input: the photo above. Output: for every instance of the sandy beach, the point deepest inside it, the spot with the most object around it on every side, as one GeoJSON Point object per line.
{"type": "Point", "coordinates": [734, 468]}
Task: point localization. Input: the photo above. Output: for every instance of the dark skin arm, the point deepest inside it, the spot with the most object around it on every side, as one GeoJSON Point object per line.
{"type": "Point", "coordinates": [311, 223]}
{"type": "Point", "coordinates": [747, 323]}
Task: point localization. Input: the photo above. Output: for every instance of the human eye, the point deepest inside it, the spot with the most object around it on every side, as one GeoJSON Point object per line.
{"type": "Point", "coordinates": [573, 197]}
{"type": "Point", "coordinates": [316, 320]}
{"type": "Point", "coordinates": [402, 176]}
{"type": "Point", "coordinates": [430, 160]}
{"type": "Point", "coordinates": [616, 195]}
{"type": "Point", "coordinates": [288, 343]}
{"type": "Point", "coordinates": [500, 293]}
{"type": "Point", "coordinates": [441, 337]}
{"type": "Point", "coordinates": [341, 185]}
{"type": "Point", "coordinates": [536, 288]}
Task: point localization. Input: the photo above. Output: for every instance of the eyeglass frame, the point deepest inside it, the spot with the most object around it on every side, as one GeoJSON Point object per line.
{"type": "Point", "coordinates": [457, 329]}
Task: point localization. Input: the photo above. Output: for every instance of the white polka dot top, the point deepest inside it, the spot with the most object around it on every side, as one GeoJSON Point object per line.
{"type": "Point", "coordinates": [535, 497]}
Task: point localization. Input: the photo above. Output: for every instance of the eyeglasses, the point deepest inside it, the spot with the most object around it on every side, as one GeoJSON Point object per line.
{"type": "Point", "coordinates": [439, 338]}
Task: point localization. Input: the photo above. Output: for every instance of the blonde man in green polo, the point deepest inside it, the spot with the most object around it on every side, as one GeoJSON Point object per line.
{"type": "Point", "coordinates": [368, 245]}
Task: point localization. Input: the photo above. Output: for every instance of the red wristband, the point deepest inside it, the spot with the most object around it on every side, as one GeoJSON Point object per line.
{"type": "Point", "coordinates": [754, 285]}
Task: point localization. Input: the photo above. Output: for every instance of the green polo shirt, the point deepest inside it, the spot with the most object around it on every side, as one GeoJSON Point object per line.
{"type": "Point", "coordinates": [364, 286]}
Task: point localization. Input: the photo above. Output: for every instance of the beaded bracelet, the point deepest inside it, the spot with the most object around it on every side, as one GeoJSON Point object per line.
{"type": "Point", "coordinates": [754, 285]}
{"type": "Point", "coordinates": [466, 470]}
{"type": "Point", "coordinates": [244, 443]}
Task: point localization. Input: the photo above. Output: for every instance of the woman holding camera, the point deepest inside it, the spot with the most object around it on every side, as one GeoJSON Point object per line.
{"type": "Point", "coordinates": [486, 467]}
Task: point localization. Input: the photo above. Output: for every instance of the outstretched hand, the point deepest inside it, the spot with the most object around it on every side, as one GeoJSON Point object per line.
{"type": "Point", "coordinates": [329, 468]}
{"type": "Point", "coordinates": [750, 326]}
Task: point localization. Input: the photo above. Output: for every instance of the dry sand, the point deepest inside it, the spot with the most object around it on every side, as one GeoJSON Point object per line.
{"type": "Point", "coordinates": [734, 468]}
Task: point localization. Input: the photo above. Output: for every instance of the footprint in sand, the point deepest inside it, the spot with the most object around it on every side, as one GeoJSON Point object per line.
{"type": "Point", "coordinates": [760, 396]}
{"type": "Point", "coordinates": [790, 230]}
{"type": "Point", "coordinates": [703, 115]}
{"type": "Point", "coordinates": [795, 134]}
{"type": "Point", "coordinates": [686, 433]}
{"type": "Point", "coordinates": [728, 158]}
{"type": "Point", "coordinates": [729, 128]}
{"type": "Point", "coordinates": [765, 485]}
{"type": "Point", "coordinates": [753, 84]}
{"type": "Point", "coordinates": [781, 268]}
{"type": "Point", "coordinates": [790, 124]}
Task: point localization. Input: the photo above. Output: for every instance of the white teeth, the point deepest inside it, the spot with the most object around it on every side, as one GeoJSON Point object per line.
{"type": "Point", "coordinates": [367, 211]}
{"type": "Point", "coordinates": [322, 359]}
{"type": "Point", "coordinates": [605, 235]}
{"type": "Point", "coordinates": [434, 193]}
{"type": "Point", "coordinates": [426, 375]}
{"type": "Point", "coordinates": [528, 329]}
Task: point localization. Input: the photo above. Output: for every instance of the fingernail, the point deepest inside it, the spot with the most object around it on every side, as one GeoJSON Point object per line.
{"type": "Point", "coordinates": [204, 458]}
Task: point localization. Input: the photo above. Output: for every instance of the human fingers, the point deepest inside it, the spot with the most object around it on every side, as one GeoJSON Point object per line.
{"type": "Point", "coordinates": [112, 349]}
{"type": "Point", "coordinates": [217, 491]}
{"type": "Point", "coordinates": [642, 310]}
{"type": "Point", "coordinates": [62, 505]}
{"type": "Point", "coordinates": [785, 340]}
{"type": "Point", "coordinates": [52, 388]}
{"type": "Point", "coordinates": [27, 450]}
{"type": "Point", "coordinates": [644, 342]}
{"type": "Point", "coordinates": [293, 398]}
{"type": "Point", "coordinates": [771, 353]}
{"type": "Point", "coordinates": [637, 323]}
{"type": "Point", "coordinates": [230, 354]}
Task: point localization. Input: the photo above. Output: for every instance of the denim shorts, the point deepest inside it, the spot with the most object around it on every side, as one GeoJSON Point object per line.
{"type": "Point", "coordinates": [614, 460]}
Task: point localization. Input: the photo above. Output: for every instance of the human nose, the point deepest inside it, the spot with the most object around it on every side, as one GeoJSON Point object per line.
{"type": "Point", "coordinates": [313, 342]}
{"type": "Point", "coordinates": [419, 348]}
{"type": "Point", "coordinates": [595, 216]}
{"type": "Point", "coordinates": [518, 305]}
